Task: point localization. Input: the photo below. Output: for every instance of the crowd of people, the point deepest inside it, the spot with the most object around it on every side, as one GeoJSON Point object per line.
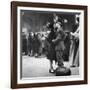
{"type": "Point", "coordinates": [34, 44]}
{"type": "Point", "coordinates": [58, 45]}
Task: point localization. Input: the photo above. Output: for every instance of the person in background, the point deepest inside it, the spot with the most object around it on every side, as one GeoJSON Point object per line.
{"type": "Point", "coordinates": [43, 44]}
{"type": "Point", "coordinates": [36, 45]}
{"type": "Point", "coordinates": [30, 44]}
{"type": "Point", "coordinates": [24, 43]}
{"type": "Point", "coordinates": [67, 43]}
{"type": "Point", "coordinates": [75, 60]}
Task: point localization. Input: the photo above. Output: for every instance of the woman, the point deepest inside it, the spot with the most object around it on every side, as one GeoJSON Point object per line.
{"type": "Point", "coordinates": [50, 48]}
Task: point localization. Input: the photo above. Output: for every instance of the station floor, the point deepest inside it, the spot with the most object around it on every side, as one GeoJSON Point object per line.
{"type": "Point", "coordinates": [39, 67]}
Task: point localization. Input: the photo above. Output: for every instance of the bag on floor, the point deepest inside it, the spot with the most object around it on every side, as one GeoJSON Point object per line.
{"type": "Point", "coordinates": [63, 71]}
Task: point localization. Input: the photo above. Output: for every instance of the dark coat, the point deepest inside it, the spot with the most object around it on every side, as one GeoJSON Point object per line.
{"type": "Point", "coordinates": [30, 42]}
{"type": "Point", "coordinates": [36, 44]}
{"type": "Point", "coordinates": [50, 47]}
{"type": "Point", "coordinates": [24, 43]}
{"type": "Point", "coordinates": [67, 43]}
{"type": "Point", "coordinates": [59, 41]}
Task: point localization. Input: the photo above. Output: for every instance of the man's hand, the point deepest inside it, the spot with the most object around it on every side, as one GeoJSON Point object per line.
{"type": "Point", "coordinates": [53, 40]}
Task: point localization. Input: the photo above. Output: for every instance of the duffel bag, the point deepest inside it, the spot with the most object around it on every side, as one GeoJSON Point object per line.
{"type": "Point", "coordinates": [62, 71]}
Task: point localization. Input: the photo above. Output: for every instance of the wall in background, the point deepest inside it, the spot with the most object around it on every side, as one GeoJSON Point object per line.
{"type": "Point", "coordinates": [5, 44]}
{"type": "Point", "coordinates": [34, 21]}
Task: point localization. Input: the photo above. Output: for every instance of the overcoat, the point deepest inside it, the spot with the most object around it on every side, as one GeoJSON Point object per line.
{"type": "Point", "coordinates": [59, 41]}
{"type": "Point", "coordinates": [50, 47]}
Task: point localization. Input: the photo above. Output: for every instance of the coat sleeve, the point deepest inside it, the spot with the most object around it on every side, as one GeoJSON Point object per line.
{"type": "Point", "coordinates": [57, 39]}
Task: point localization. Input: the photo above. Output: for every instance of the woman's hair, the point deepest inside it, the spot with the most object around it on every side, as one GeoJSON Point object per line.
{"type": "Point", "coordinates": [50, 25]}
{"type": "Point", "coordinates": [78, 19]}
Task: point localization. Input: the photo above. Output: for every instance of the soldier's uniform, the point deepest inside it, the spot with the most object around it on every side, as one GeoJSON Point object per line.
{"type": "Point", "coordinates": [59, 43]}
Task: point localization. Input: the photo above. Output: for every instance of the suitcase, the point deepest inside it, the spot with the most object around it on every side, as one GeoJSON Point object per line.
{"type": "Point", "coordinates": [62, 71]}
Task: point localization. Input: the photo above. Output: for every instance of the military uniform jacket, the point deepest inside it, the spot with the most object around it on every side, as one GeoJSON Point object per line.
{"type": "Point", "coordinates": [59, 41]}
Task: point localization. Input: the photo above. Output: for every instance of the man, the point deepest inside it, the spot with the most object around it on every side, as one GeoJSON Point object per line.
{"type": "Point", "coordinates": [24, 43]}
{"type": "Point", "coordinates": [30, 44]}
{"type": "Point", "coordinates": [75, 61]}
{"type": "Point", "coordinates": [36, 45]}
{"type": "Point", "coordinates": [59, 41]}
